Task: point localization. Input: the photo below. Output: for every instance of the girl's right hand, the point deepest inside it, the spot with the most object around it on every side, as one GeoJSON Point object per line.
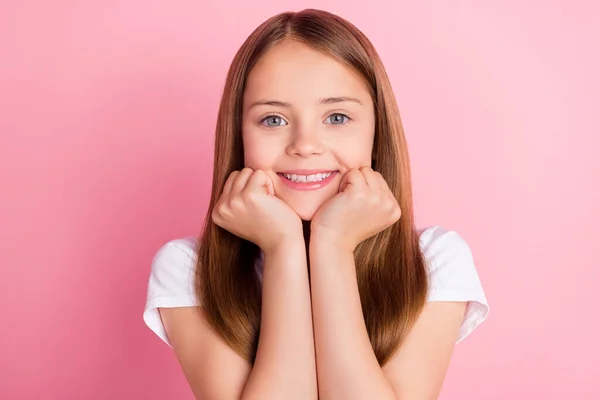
{"type": "Point", "coordinates": [248, 208]}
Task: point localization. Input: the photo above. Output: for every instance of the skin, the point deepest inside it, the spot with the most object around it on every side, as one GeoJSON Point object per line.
{"type": "Point", "coordinates": [306, 134]}
{"type": "Point", "coordinates": [312, 329]}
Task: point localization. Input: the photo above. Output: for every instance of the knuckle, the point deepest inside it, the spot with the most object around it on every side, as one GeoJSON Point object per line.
{"type": "Point", "coordinates": [396, 212]}
{"type": "Point", "coordinates": [248, 196]}
{"type": "Point", "coordinates": [245, 196]}
{"type": "Point", "coordinates": [358, 195]}
{"type": "Point", "coordinates": [236, 203]}
{"type": "Point", "coordinates": [378, 202]}
{"type": "Point", "coordinates": [217, 215]}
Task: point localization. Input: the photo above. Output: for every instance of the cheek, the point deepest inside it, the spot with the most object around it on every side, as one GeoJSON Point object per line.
{"type": "Point", "coordinates": [353, 147]}
{"type": "Point", "coordinates": [355, 153]}
{"type": "Point", "coordinates": [258, 154]}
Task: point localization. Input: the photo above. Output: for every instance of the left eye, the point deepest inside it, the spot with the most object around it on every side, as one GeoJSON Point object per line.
{"type": "Point", "coordinates": [337, 119]}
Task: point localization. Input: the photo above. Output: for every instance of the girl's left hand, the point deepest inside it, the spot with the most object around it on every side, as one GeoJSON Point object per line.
{"type": "Point", "coordinates": [363, 207]}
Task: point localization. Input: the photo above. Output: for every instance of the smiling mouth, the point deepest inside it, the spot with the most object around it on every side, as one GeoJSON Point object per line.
{"type": "Point", "coordinates": [309, 180]}
{"type": "Point", "coordinates": [318, 177]}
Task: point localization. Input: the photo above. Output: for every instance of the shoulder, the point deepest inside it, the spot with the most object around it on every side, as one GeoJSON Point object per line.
{"type": "Point", "coordinates": [174, 263]}
{"type": "Point", "coordinates": [178, 247]}
{"type": "Point", "coordinates": [171, 281]}
{"type": "Point", "coordinates": [444, 248]}
{"type": "Point", "coordinates": [448, 257]}
{"type": "Point", "coordinates": [453, 275]}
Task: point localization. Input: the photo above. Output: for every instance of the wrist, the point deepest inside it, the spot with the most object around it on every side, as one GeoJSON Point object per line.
{"type": "Point", "coordinates": [326, 239]}
{"type": "Point", "coordinates": [290, 243]}
{"type": "Point", "coordinates": [288, 256]}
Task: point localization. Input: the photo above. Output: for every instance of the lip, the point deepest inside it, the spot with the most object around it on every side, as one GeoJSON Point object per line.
{"type": "Point", "coordinates": [307, 185]}
{"type": "Point", "coordinates": [307, 171]}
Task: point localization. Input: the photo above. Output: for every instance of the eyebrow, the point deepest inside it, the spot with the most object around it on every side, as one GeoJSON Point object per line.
{"type": "Point", "coordinates": [328, 100]}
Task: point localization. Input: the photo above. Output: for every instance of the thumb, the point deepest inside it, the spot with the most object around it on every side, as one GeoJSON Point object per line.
{"type": "Point", "coordinates": [268, 185]}
{"type": "Point", "coordinates": [345, 181]}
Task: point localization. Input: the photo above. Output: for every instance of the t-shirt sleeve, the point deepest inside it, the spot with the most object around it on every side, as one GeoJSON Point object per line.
{"type": "Point", "coordinates": [171, 283]}
{"type": "Point", "coordinates": [453, 277]}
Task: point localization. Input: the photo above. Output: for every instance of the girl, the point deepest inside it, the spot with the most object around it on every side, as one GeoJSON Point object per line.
{"type": "Point", "coordinates": [310, 268]}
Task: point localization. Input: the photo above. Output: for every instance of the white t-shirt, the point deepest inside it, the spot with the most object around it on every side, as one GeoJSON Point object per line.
{"type": "Point", "coordinates": [452, 273]}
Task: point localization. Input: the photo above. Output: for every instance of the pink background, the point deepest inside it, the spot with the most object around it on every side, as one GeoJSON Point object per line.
{"type": "Point", "coordinates": [107, 113]}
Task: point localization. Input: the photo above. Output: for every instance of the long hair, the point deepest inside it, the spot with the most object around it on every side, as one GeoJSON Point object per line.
{"type": "Point", "coordinates": [390, 268]}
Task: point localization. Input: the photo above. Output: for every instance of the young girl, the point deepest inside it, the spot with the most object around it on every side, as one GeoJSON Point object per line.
{"type": "Point", "coordinates": [310, 268]}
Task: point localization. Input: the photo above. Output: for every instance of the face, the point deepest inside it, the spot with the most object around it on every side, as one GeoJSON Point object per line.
{"type": "Point", "coordinates": [307, 120]}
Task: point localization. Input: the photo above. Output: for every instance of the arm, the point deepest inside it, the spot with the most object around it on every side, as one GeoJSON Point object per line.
{"type": "Point", "coordinates": [285, 362]}
{"type": "Point", "coordinates": [346, 364]}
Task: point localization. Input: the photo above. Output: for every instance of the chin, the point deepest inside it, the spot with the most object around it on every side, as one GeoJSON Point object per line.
{"type": "Point", "coordinates": [306, 212]}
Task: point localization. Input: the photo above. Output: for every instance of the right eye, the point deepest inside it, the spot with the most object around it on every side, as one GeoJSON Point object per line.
{"type": "Point", "coordinates": [273, 121]}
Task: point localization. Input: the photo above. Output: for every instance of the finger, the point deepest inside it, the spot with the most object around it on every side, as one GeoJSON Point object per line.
{"type": "Point", "coordinates": [374, 180]}
{"type": "Point", "coordinates": [229, 184]}
{"type": "Point", "coordinates": [353, 179]}
{"type": "Point", "coordinates": [241, 180]}
{"type": "Point", "coordinates": [371, 177]}
{"type": "Point", "coordinates": [260, 180]}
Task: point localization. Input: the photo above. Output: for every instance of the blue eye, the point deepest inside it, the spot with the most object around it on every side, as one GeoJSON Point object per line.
{"type": "Point", "coordinates": [273, 121]}
{"type": "Point", "coordinates": [338, 119]}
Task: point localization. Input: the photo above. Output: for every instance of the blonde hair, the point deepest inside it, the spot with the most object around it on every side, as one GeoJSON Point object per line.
{"type": "Point", "coordinates": [391, 271]}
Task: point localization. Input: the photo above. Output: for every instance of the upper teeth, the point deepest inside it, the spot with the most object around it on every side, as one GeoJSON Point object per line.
{"type": "Point", "coordinates": [307, 178]}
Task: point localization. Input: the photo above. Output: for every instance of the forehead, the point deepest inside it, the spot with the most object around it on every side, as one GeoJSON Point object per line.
{"type": "Point", "coordinates": [294, 71]}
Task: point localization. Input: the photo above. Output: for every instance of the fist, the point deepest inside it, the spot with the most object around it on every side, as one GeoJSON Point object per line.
{"type": "Point", "coordinates": [249, 208]}
{"type": "Point", "coordinates": [363, 207]}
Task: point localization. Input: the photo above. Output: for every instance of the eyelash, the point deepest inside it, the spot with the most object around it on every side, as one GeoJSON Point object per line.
{"type": "Point", "coordinates": [348, 119]}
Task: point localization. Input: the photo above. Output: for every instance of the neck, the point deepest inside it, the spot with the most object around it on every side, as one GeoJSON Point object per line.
{"type": "Point", "coordinates": [306, 230]}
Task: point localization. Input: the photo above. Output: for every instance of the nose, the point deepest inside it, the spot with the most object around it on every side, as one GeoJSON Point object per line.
{"type": "Point", "coordinates": [305, 142]}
